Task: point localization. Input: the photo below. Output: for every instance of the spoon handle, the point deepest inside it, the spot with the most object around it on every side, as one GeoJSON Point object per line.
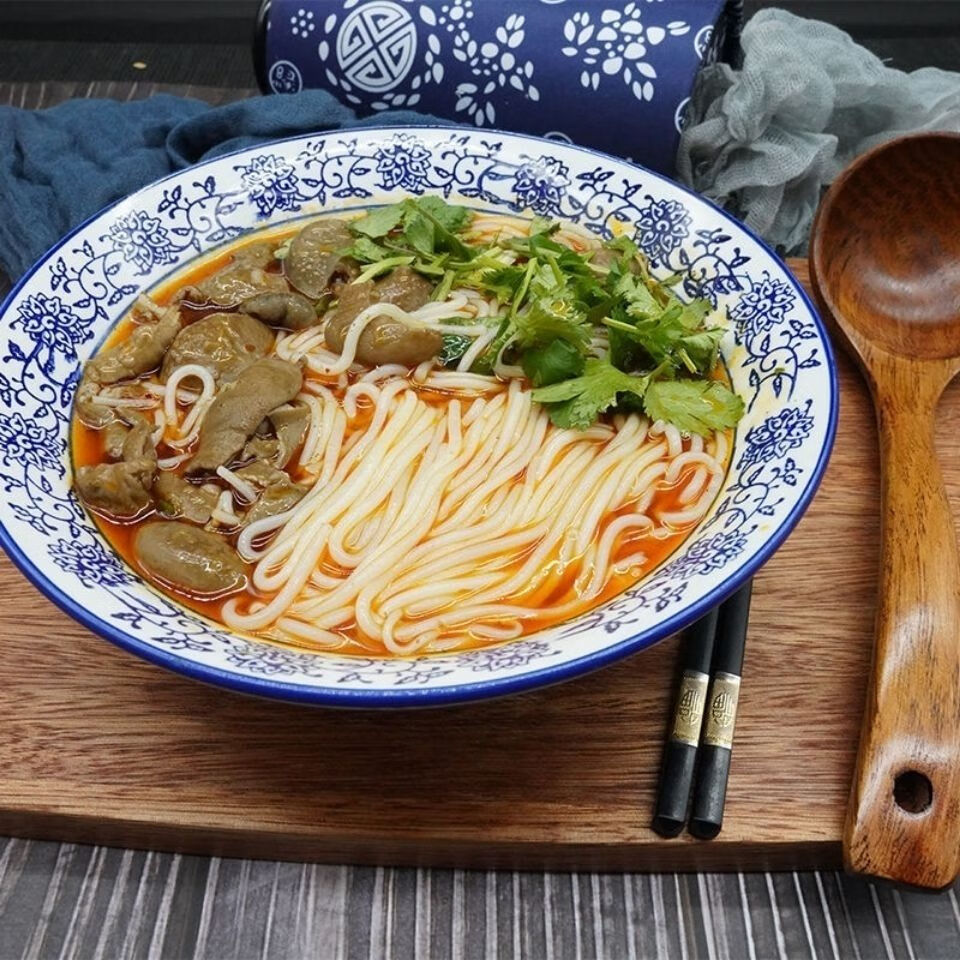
{"type": "Point", "coordinates": [903, 821]}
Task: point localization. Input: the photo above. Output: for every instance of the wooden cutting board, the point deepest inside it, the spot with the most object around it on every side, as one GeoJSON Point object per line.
{"type": "Point", "coordinates": [97, 746]}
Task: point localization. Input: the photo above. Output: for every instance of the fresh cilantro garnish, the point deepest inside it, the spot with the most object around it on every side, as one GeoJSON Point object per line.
{"type": "Point", "coordinates": [693, 406]}
{"type": "Point", "coordinates": [558, 360]}
{"type": "Point", "coordinates": [636, 295]}
{"type": "Point", "coordinates": [423, 226]}
{"type": "Point", "coordinates": [701, 349]}
{"type": "Point", "coordinates": [381, 267]}
{"type": "Point", "coordinates": [543, 225]}
{"type": "Point", "coordinates": [504, 282]}
{"type": "Point", "coordinates": [673, 333]}
{"type": "Point", "coordinates": [368, 251]}
{"type": "Point", "coordinates": [553, 316]}
{"type": "Point", "coordinates": [448, 215]}
{"type": "Point", "coordinates": [454, 347]}
{"type": "Point", "coordinates": [578, 402]}
{"type": "Point", "coordinates": [487, 360]}
{"type": "Point", "coordinates": [553, 301]}
{"type": "Point", "coordinates": [378, 223]}
{"type": "Point", "coordinates": [625, 352]}
{"type": "Point", "coordinates": [419, 233]}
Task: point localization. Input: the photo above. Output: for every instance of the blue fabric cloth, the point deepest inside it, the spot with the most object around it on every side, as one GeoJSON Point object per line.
{"type": "Point", "coordinates": [61, 165]}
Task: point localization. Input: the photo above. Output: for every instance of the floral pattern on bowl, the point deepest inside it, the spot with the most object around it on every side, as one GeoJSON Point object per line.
{"type": "Point", "coordinates": [776, 350]}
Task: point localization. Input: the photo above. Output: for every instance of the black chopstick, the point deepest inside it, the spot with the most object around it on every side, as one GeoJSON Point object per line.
{"type": "Point", "coordinates": [680, 749]}
{"type": "Point", "coordinates": [713, 757]}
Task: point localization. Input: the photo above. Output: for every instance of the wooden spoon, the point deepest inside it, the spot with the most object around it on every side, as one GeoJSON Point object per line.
{"type": "Point", "coordinates": [885, 262]}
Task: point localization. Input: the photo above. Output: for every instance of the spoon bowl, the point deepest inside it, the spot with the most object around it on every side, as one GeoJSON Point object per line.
{"type": "Point", "coordinates": [887, 253]}
{"type": "Point", "coordinates": [885, 263]}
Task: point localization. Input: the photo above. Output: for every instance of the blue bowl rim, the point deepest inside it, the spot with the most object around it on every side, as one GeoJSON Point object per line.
{"type": "Point", "coordinates": [455, 693]}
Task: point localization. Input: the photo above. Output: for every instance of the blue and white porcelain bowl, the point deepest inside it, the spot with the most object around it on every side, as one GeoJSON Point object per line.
{"type": "Point", "coordinates": [776, 350]}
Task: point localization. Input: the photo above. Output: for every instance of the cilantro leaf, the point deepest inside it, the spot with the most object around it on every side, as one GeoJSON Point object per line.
{"type": "Point", "coordinates": [625, 353]}
{"type": "Point", "coordinates": [454, 347]}
{"type": "Point", "coordinates": [578, 402]}
{"type": "Point", "coordinates": [624, 246]}
{"type": "Point", "coordinates": [378, 223]}
{"type": "Point", "coordinates": [672, 335]}
{"type": "Point", "coordinates": [381, 267]}
{"type": "Point", "coordinates": [419, 233]}
{"type": "Point", "coordinates": [556, 316]}
{"type": "Point", "coordinates": [485, 362]}
{"type": "Point", "coordinates": [423, 226]}
{"type": "Point", "coordinates": [443, 237]}
{"type": "Point", "coordinates": [504, 282]}
{"type": "Point", "coordinates": [558, 360]}
{"type": "Point", "coordinates": [543, 225]}
{"type": "Point", "coordinates": [367, 251]}
{"type": "Point", "coordinates": [492, 277]}
{"type": "Point", "coordinates": [693, 406]}
{"type": "Point", "coordinates": [638, 297]}
{"type": "Point", "coordinates": [448, 215]}
{"type": "Point", "coordinates": [702, 349]}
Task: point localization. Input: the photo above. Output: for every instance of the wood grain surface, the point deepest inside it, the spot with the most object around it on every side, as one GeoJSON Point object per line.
{"type": "Point", "coordinates": [889, 276]}
{"type": "Point", "coordinates": [100, 747]}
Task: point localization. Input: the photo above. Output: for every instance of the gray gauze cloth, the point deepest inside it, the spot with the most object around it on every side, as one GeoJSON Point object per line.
{"type": "Point", "coordinates": [765, 140]}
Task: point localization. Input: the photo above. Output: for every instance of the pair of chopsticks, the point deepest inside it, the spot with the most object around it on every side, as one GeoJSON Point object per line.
{"type": "Point", "coordinates": [698, 748]}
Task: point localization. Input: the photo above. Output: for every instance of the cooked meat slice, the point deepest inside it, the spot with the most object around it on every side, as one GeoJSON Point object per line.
{"type": "Point", "coordinates": [224, 343]}
{"type": "Point", "coordinates": [239, 407]}
{"type": "Point", "coordinates": [404, 287]}
{"type": "Point", "coordinates": [314, 260]}
{"type": "Point", "coordinates": [243, 277]}
{"type": "Point", "coordinates": [177, 497]}
{"type": "Point", "coordinates": [122, 489]}
{"type": "Point", "coordinates": [280, 493]}
{"type": "Point", "coordinates": [189, 558]}
{"type": "Point", "coordinates": [384, 339]}
{"type": "Point", "coordinates": [139, 353]}
{"type": "Point", "coordinates": [290, 423]}
{"type": "Point", "coordinates": [290, 310]}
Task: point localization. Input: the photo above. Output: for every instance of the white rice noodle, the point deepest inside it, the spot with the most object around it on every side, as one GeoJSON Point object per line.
{"type": "Point", "coordinates": [694, 486]}
{"type": "Point", "coordinates": [223, 513]}
{"type": "Point", "coordinates": [189, 429]}
{"type": "Point", "coordinates": [295, 346]}
{"type": "Point", "coordinates": [128, 403]}
{"type": "Point", "coordinates": [431, 526]}
{"type": "Point", "coordinates": [422, 371]}
{"type": "Point", "coordinates": [577, 238]}
{"type": "Point", "coordinates": [254, 531]}
{"type": "Point", "coordinates": [679, 519]}
{"type": "Point", "coordinates": [384, 372]}
{"type": "Point", "coordinates": [489, 227]}
{"type": "Point", "coordinates": [357, 391]}
{"type": "Point", "coordinates": [170, 463]}
{"type": "Point", "coordinates": [247, 491]}
{"type": "Point", "coordinates": [476, 348]}
{"type": "Point", "coordinates": [159, 425]}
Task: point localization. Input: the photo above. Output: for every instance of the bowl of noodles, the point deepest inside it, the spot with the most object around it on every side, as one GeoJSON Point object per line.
{"type": "Point", "coordinates": [405, 416]}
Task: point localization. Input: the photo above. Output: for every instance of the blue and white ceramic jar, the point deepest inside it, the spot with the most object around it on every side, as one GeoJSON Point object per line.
{"type": "Point", "coordinates": [615, 75]}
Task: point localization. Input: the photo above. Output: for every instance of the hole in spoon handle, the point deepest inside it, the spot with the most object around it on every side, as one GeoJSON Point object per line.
{"type": "Point", "coordinates": [913, 792]}
{"type": "Point", "coordinates": [903, 822]}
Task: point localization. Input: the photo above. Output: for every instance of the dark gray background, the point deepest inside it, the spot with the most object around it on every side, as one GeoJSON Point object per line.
{"type": "Point", "coordinates": [208, 41]}
{"type": "Point", "coordinates": [62, 900]}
